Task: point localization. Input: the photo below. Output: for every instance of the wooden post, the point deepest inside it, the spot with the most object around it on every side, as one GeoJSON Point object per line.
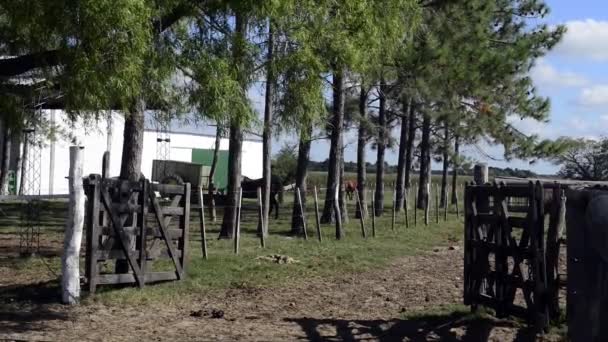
{"type": "Point", "coordinates": [427, 207]}
{"type": "Point", "coordinates": [373, 213]}
{"type": "Point", "coordinates": [237, 227]}
{"type": "Point", "coordinates": [445, 207]}
{"type": "Point", "coordinates": [436, 204]}
{"type": "Point", "coordinates": [394, 209]}
{"type": "Point", "coordinates": [105, 165]}
{"type": "Point", "coordinates": [415, 207]}
{"type": "Point", "coordinates": [317, 219]}
{"type": "Point", "coordinates": [363, 232]}
{"type": "Point", "coordinates": [70, 260]}
{"type": "Point", "coordinates": [456, 205]}
{"type": "Point", "coordinates": [405, 209]}
{"type": "Point", "coordinates": [261, 218]}
{"type": "Point", "coordinates": [203, 230]}
{"type": "Point", "coordinates": [339, 230]}
{"type": "Point", "coordinates": [302, 213]}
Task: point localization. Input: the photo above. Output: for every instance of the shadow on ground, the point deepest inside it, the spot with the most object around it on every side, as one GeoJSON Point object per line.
{"type": "Point", "coordinates": [450, 327]}
{"type": "Point", "coordinates": [24, 308]}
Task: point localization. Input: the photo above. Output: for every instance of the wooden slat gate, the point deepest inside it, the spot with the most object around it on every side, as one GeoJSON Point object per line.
{"type": "Point", "coordinates": [126, 221]}
{"type": "Point", "coordinates": [504, 250]}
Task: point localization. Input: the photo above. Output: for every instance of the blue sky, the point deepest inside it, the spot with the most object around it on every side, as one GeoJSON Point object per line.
{"type": "Point", "coordinates": [574, 76]}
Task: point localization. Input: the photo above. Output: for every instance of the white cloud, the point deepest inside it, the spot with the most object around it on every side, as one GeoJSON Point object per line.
{"type": "Point", "coordinates": [546, 75]}
{"type": "Point", "coordinates": [528, 126]}
{"type": "Point", "coordinates": [594, 96]}
{"type": "Point", "coordinates": [586, 39]}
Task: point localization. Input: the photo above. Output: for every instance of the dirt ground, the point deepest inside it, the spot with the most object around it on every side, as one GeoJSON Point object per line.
{"type": "Point", "coordinates": [390, 304]}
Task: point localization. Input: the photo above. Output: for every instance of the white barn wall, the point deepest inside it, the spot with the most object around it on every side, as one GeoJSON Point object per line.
{"type": "Point", "coordinates": [94, 140]}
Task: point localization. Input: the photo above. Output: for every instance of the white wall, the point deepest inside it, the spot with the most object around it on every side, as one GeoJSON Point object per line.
{"type": "Point", "coordinates": [94, 139]}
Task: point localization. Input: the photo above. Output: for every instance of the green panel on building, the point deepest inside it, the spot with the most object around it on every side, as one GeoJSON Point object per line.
{"type": "Point", "coordinates": [205, 157]}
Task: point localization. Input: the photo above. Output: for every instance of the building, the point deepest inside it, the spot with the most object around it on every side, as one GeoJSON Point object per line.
{"type": "Point", "coordinates": [50, 160]}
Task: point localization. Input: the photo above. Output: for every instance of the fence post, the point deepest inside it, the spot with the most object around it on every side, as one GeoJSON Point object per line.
{"type": "Point", "coordinates": [405, 208]}
{"type": "Point", "coordinates": [70, 268]}
{"type": "Point", "coordinates": [261, 222]}
{"type": "Point", "coordinates": [302, 213]}
{"type": "Point", "coordinates": [317, 219]}
{"type": "Point", "coordinates": [203, 230]}
{"type": "Point", "coordinates": [394, 205]}
{"type": "Point", "coordinates": [373, 213]}
{"type": "Point", "coordinates": [363, 232]}
{"type": "Point", "coordinates": [237, 227]}
{"type": "Point", "coordinates": [415, 207]}
{"type": "Point", "coordinates": [339, 230]}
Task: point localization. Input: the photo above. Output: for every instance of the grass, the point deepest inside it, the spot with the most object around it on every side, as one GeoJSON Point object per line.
{"type": "Point", "coordinates": [224, 269]}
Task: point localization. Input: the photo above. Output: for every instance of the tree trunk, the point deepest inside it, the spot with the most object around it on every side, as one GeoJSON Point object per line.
{"type": "Point", "coordinates": [130, 167]}
{"type": "Point", "coordinates": [219, 132]}
{"type": "Point", "coordinates": [361, 160]}
{"type": "Point", "coordinates": [6, 160]}
{"type": "Point", "coordinates": [301, 173]}
{"type": "Point", "coordinates": [446, 166]}
{"type": "Point", "coordinates": [235, 149]}
{"type": "Point", "coordinates": [401, 159]}
{"type": "Point", "coordinates": [455, 171]}
{"type": "Point", "coordinates": [70, 259]}
{"type": "Point", "coordinates": [342, 197]}
{"type": "Point", "coordinates": [409, 153]}
{"type": "Point", "coordinates": [234, 180]}
{"type": "Point", "coordinates": [425, 163]}
{"type": "Point", "coordinates": [337, 124]}
{"type": "Point", "coordinates": [133, 143]}
{"type": "Point", "coordinates": [267, 134]}
{"type": "Point", "coordinates": [382, 139]}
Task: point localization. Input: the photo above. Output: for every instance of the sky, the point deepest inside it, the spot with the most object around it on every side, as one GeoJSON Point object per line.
{"type": "Point", "coordinates": [574, 76]}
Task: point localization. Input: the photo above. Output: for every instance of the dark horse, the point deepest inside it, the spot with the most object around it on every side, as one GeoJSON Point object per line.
{"type": "Point", "coordinates": [250, 190]}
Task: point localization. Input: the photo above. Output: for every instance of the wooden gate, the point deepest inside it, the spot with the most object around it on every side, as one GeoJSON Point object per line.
{"type": "Point", "coordinates": [504, 250]}
{"type": "Point", "coordinates": [127, 222]}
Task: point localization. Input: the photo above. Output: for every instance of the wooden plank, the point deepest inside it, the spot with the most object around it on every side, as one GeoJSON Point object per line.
{"type": "Point", "coordinates": [94, 204]}
{"type": "Point", "coordinates": [184, 242]}
{"type": "Point", "coordinates": [174, 233]}
{"type": "Point", "coordinates": [123, 238]}
{"type": "Point", "coordinates": [168, 189]}
{"type": "Point", "coordinates": [117, 254]}
{"type": "Point", "coordinates": [142, 225]}
{"type": "Point", "coordinates": [128, 278]}
{"type": "Point", "coordinates": [165, 235]}
{"type": "Point", "coordinates": [173, 211]}
{"type": "Point", "coordinates": [317, 218]}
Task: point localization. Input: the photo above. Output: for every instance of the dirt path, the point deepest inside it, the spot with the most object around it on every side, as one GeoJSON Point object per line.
{"type": "Point", "coordinates": [366, 306]}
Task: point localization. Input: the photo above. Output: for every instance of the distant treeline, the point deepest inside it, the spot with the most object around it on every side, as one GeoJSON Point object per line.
{"type": "Point", "coordinates": [351, 167]}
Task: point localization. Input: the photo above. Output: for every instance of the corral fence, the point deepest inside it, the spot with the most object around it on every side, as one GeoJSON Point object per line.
{"type": "Point", "coordinates": [513, 234]}
{"type": "Point", "coordinates": [127, 223]}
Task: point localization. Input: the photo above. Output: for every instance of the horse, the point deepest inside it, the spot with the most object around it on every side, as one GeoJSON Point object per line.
{"type": "Point", "coordinates": [350, 186]}
{"type": "Point", "coordinates": [250, 190]}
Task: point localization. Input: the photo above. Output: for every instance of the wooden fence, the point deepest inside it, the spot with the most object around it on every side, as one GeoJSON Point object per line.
{"type": "Point", "coordinates": [508, 250]}
{"type": "Point", "coordinates": [127, 222]}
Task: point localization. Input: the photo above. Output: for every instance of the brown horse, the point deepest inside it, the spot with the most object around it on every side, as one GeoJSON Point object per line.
{"type": "Point", "coordinates": [350, 187]}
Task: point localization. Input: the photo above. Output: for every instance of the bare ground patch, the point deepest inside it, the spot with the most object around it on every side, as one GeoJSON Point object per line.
{"type": "Point", "coordinates": [412, 299]}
